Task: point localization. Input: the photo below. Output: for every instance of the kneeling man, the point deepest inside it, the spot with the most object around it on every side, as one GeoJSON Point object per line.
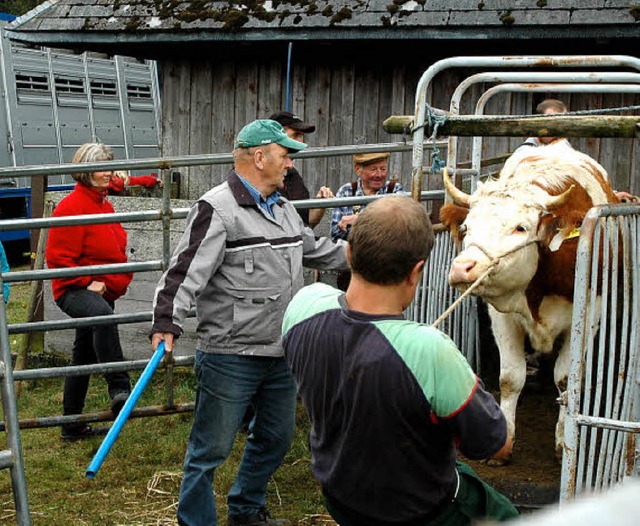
{"type": "Point", "coordinates": [390, 400]}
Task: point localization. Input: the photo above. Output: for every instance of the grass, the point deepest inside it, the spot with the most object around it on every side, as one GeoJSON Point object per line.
{"type": "Point", "coordinates": [139, 479]}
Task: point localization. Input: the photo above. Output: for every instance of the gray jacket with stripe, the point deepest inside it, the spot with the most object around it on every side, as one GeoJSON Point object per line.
{"type": "Point", "coordinates": [240, 267]}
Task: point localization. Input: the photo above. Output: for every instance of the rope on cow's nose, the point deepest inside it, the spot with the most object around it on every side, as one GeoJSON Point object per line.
{"type": "Point", "coordinates": [492, 264]}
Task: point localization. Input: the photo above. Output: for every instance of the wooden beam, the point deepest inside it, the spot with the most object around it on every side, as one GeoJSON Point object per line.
{"type": "Point", "coordinates": [495, 126]}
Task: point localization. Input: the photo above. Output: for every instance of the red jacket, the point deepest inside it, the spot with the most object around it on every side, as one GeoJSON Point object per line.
{"type": "Point", "coordinates": [78, 246]}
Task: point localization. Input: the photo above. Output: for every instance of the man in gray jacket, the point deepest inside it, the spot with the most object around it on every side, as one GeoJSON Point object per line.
{"type": "Point", "coordinates": [240, 262]}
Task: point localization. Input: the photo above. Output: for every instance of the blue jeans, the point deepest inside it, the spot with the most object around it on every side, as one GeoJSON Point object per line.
{"type": "Point", "coordinates": [227, 385]}
{"type": "Point", "coordinates": [97, 344]}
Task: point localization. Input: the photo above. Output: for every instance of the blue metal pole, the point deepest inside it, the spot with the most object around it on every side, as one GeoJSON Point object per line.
{"type": "Point", "coordinates": [287, 101]}
{"type": "Point", "coordinates": [118, 424]}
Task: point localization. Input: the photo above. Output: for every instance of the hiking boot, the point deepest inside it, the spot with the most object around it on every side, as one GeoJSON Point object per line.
{"type": "Point", "coordinates": [80, 433]}
{"type": "Point", "coordinates": [118, 401]}
{"type": "Point", "coordinates": [261, 518]}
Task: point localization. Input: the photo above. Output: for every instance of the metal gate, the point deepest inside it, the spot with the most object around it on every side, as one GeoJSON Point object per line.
{"type": "Point", "coordinates": [602, 421]}
{"type": "Point", "coordinates": [603, 410]}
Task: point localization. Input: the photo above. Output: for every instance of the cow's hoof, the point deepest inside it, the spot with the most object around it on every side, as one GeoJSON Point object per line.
{"type": "Point", "coordinates": [499, 462]}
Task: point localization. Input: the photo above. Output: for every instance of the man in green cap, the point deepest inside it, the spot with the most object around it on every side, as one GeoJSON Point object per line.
{"type": "Point", "coordinates": [239, 262]}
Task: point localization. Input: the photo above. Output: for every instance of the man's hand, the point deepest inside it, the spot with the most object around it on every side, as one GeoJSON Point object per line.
{"type": "Point", "coordinates": [316, 214]}
{"type": "Point", "coordinates": [157, 337]}
{"type": "Point", "coordinates": [347, 221]}
{"type": "Point", "coordinates": [626, 197]}
{"type": "Point", "coordinates": [98, 287]}
{"type": "Point", "coordinates": [325, 193]}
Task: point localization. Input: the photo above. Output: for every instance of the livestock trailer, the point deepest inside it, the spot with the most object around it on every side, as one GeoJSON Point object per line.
{"type": "Point", "coordinates": [52, 101]}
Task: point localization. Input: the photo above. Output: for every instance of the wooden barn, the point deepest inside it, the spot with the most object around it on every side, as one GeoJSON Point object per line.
{"type": "Point", "coordinates": [344, 66]}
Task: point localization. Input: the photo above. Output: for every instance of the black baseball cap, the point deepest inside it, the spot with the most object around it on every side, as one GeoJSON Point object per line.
{"type": "Point", "coordinates": [293, 121]}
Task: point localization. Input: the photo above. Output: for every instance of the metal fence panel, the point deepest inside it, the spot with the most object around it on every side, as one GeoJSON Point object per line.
{"type": "Point", "coordinates": [434, 295]}
{"type": "Point", "coordinates": [602, 421]}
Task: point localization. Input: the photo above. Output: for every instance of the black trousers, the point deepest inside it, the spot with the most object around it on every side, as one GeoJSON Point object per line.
{"type": "Point", "coordinates": [97, 344]}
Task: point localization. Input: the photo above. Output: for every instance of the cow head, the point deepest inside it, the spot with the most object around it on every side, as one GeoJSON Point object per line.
{"type": "Point", "coordinates": [502, 222]}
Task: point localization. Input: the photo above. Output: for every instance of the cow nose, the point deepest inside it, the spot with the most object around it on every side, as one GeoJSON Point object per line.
{"type": "Point", "coordinates": [461, 270]}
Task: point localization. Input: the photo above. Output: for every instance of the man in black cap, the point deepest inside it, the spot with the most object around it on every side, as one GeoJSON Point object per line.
{"type": "Point", "coordinates": [294, 187]}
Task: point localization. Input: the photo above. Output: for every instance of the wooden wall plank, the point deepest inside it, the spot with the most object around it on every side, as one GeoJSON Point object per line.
{"type": "Point", "coordinates": [396, 98]}
{"type": "Point", "coordinates": [317, 107]}
{"type": "Point", "coordinates": [298, 107]}
{"type": "Point", "coordinates": [246, 107]}
{"type": "Point", "coordinates": [615, 154]}
{"type": "Point", "coordinates": [634, 169]}
{"type": "Point", "coordinates": [590, 145]}
{"type": "Point", "coordinates": [176, 103]}
{"type": "Point", "coordinates": [341, 124]}
{"type": "Point", "coordinates": [271, 88]}
{"type": "Point", "coordinates": [200, 128]}
{"type": "Point", "coordinates": [521, 104]}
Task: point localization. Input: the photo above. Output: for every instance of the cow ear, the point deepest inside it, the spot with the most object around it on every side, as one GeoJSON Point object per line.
{"type": "Point", "coordinates": [562, 235]}
{"type": "Point", "coordinates": [452, 216]}
{"type": "Point", "coordinates": [556, 241]}
{"type": "Point", "coordinates": [547, 229]}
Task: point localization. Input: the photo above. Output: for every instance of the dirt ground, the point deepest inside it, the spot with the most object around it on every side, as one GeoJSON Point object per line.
{"type": "Point", "coordinates": [533, 477]}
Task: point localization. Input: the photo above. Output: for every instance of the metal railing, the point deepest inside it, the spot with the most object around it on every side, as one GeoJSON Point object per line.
{"type": "Point", "coordinates": [12, 458]}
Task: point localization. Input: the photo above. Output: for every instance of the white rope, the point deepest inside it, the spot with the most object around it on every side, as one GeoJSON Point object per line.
{"type": "Point", "coordinates": [482, 276]}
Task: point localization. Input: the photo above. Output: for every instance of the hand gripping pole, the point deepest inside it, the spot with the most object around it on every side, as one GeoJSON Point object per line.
{"type": "Point", "coordinates": [120, 420]}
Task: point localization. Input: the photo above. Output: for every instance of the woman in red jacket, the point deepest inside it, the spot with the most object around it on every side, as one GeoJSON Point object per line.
{"type": "Point", "coordinates": [84, 296]}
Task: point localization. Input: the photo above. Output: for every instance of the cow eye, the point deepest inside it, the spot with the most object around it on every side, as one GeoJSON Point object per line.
{"type": "Point", "coordinates": [521, 229]}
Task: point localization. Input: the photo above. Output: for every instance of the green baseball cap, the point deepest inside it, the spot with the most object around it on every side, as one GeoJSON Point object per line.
{"type": "Point", "coordinates": [266, 131]}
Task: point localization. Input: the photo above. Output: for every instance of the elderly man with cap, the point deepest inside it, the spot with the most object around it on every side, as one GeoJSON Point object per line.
{"type": "Point", "coordinates": [293, 187]}
{"type": "Point", "coordinates": [371, 169]}
{"type": "Point", "coordinates": [239, 262]}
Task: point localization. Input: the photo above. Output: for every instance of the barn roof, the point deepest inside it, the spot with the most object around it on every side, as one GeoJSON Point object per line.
{"type": "Point", "coordinates": [147, 22]}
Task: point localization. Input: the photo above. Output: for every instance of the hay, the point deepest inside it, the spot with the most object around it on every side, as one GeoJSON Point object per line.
{"type": "Point", "coordinates": [159, 505]}
{"type": "Point", "coordinates": [318, 520]}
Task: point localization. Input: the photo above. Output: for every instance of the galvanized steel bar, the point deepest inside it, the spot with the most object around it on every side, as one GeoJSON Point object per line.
{"type": "Point", "coordinates": [102, 416]}
{"type": "Point", "coordinates": [593, 365]}
{"type": "Point", "coordinates": [608, 423]}
{"type": "Point", "coordinates": [89, 270]}
{"type": "Point", "coordinates": [622, 410]}
{"type": "Point", "coordinates": [604, 458]}
{"type": "Point", "coordinates": [6, 459]}
{"type": "Point", "coordinates": [96, 368]}
{"type": "Point", "coordinates": [94, 219]}
{"type": "Point", "coordinates": [10, 410]}
{"type": "Point", "coordinates": [166, 163]}
{"type": "Point", "coordinates": [571, 472]}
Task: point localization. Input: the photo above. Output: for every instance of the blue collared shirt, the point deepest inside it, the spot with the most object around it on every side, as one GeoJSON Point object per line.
{"type": "Point", "coordinates": [265, 203]}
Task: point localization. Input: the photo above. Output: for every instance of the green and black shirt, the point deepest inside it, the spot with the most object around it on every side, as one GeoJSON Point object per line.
{"type": "Point", "coordinates": [389, 401]}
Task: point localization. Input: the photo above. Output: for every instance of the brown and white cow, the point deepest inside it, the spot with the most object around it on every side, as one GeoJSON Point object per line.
{"type": "Point", "coordinates": [531, 217]}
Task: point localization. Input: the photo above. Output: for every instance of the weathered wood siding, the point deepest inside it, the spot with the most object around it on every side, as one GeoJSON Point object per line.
{"type": "Point", "coordinates": [206, 102]}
